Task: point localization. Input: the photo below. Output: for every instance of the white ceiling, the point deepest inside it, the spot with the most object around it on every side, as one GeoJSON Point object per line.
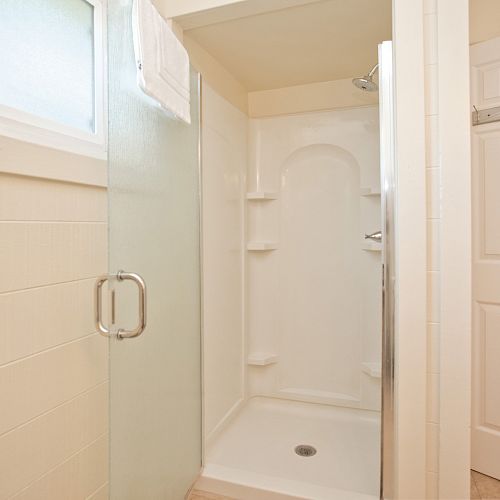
{"type": "Point", "coordinates": [320, 41]}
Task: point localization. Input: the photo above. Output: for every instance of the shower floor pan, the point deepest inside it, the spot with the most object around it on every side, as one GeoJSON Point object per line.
{"type": "Point", "coordinates": [254, 457]}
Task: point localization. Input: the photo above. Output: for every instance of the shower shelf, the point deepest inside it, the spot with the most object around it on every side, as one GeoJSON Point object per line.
{"type": "Point", "coordinates": [262, 359]}
{"type": "Point", "coordinates": [367, 191]}
{"type": "Point", "coordinates": [262, 195]}
{"type": "Point", "coordinates": [373, 370]}
{"type": "Point", "coordinates": [371, 247]}
{"type": "Point", "coordinates": [261, 246]}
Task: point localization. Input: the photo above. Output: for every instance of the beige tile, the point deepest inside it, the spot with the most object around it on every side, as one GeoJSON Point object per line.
{"type": "Point", "coordinates": [37, 254]}
{"type": "Point", "coordinates": [37, 384]}
{"type": "Point", "coordinates": [34, 449]}
{"type": "Point", "coordinates": [26, 198]}
{"type": "Point", "coordinates": [36, 319]}
{"type": "Point", "coordinates": [81, 476]}
{"type": "Point", "coordinates": [487, 487]}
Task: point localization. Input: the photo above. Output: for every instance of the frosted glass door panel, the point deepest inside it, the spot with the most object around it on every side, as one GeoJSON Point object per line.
{"type": "Point", "coordinates": [155, 395]}
{"type": "Point", "coordinates": [50, 42]}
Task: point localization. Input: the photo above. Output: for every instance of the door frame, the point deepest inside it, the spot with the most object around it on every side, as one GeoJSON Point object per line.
{"type": "Point", "coordinates": [410, 391]}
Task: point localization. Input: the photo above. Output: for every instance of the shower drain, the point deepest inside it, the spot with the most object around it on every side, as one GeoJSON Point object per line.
{"type": "Point", "coordinates": [305, 450]}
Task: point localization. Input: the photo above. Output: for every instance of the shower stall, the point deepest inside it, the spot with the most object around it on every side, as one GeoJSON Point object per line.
{"type": "Point", "coordinates": [295, 233]}
{"type": "Point", "coordinates": [280, 396]}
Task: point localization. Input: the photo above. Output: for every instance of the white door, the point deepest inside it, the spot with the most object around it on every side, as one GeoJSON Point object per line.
{"type": "Point", "coordinates": [485, 94]}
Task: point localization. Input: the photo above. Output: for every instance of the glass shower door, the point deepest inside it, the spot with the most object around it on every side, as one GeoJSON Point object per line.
{"type": "Point", "coordinates": [155, 387]}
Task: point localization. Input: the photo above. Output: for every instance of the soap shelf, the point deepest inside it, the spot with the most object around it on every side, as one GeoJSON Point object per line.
{"type": "Point", "coordinates": [262, 359]}
{"type": "Point", "coordinates": [261, 246]}
{"type": "Point", "coordinates": [368, 191]}
{"type": "Point", "coordinates": [371, 247]}
{"type": "Point", "coordinates": [262, 195]}
{"type": "Point", "coordinates": [372, 369]}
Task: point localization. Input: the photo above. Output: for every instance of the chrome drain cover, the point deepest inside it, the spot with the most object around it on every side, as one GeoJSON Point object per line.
{"type": "Point", "coordinates": [305, 450]}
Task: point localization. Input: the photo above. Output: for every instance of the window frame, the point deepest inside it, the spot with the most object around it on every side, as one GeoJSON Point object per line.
{"type": "Point", "coordinates": [28, 127]}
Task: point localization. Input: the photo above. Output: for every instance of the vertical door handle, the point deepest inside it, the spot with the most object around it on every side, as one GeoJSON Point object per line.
{"type": "Point", "coordinates": [121, 333]}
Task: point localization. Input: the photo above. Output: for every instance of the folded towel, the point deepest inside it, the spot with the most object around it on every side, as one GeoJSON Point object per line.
{"type": "Point", "coordinates": [162, 61]}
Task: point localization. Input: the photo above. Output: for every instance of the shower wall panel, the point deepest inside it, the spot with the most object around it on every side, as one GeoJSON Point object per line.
{"type": "Point", "coordinates": [224, 156]}
{"type": "Point", "coordinates": [314, 284]}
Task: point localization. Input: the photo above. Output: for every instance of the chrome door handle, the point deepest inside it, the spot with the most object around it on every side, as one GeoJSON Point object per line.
{"type": "Point", "coordinates": [377, 236]}
{"type": "Point", "coordinates": [121, 333]}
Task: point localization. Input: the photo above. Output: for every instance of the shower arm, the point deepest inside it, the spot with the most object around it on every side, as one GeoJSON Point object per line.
{"type": "Point", "coordinates": [372, 71]}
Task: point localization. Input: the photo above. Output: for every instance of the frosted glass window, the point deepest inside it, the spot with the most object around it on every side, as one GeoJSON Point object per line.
{"type": "Point", "coordinates": [47, 56]}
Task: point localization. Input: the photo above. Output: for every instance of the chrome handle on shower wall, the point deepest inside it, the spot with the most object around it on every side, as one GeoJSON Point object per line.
{"type": "Point", "coordinates": [377, 236]}
{"type": "Point", "coordinates": [121, 333]}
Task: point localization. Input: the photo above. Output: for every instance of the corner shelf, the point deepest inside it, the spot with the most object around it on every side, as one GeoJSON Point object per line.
{"type": "Point", "coordinates": [372, 369]}
{"type": "Point", "coordinates": [368, 191]}
{"type": "Point", "coordinates": [371, 247]}
{"type": "Point", "coordinates": [262, 195]}
{"type": "Point", "coordinates": [261, 246]}
{"type": "Point", "coordinates": [262, 359]}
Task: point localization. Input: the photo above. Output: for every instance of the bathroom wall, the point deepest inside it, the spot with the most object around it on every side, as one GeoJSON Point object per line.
{"type": "Point", "coordinates": [224, 155]}
{"type": "Point", "coordinates": [314, 295]}
{"type": "Point", "coordinates": [53, 366]}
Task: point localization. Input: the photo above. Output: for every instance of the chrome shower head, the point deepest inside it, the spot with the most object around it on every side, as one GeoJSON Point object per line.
{"type": "Point", "coordinates": [366, 82]}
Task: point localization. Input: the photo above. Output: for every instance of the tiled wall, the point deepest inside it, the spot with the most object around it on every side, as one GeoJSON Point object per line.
{"type": "Point", "coordinates": [433, 233]}
{"type": "Point", "coordinates": [53, 366]}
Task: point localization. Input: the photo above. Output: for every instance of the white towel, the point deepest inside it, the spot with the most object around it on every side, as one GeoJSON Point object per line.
{"type": "Point", "coordinates": [162, 61]}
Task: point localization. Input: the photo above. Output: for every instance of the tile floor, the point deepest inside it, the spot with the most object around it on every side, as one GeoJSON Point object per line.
{"type": "Point", "coordinates": [204, 495]}
{"type": "Point", "coordinates": [484, 487]}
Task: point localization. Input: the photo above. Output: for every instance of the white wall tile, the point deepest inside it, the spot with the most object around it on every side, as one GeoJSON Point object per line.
{"type": "Point", "coordinates": [430, 6]}
{"type": "Point", "coordinates": [430, 38]}
{"type": "Point", "coordinates": [433, 302]}
{"type": "Point", "coordinates": [432, 447]}
{"type": "Point", "coordinates": [432, 486]}
{"type": "Point", "coordinates": [30, 451]}
{"type": "Point", "coordinates": [36, 254]}
{"type": "Point", "coordinates": [39, 318]}
{"type": "Point", "coordinates": [433, 240]}
{"type": "Point", "coordinates": [101, 494]}
{"type": "Point", "coordinates": [432, 141]}
{"type": "Point", "coordinates": [41, 382]}
{"type": "Point", "coordinates": [433, 347]}
{"type": "Point", "coordinates": [79, 477]}
{"type": "Point", "coordinates": [431, 89]}
{"type": "Point", "coordinates": [27, 198]}
{"type": "Point", "coordinates": [433, 398]}
{"type": "Point", "coordinates": [53, 369]}
{"type": "Point", "coordinates": [433, 193]}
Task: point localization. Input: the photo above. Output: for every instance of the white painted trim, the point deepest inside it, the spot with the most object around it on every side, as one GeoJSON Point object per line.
{"type": "Point", "coordinates": [32, 160]}
{"type": "Point", "coordinates": [455, 258]}
{"type": "Point", "coordinates": [411, 344]}
{"type": "Point", "coordinates": [24, 126]}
